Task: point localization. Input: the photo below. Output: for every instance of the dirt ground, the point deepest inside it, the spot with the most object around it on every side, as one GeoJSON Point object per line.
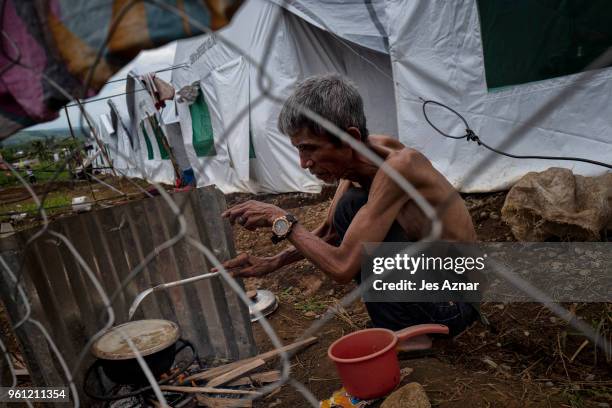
{"type": "Point", "coordinates": [523, 359]}
{"type": "Point", "coordinates": [526, 357]}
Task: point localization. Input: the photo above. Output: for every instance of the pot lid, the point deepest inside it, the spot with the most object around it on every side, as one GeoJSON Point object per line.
{"type": "Point", "coordinates": [148, 336]}
{"type": "Point", "coordinates": [264, 301]}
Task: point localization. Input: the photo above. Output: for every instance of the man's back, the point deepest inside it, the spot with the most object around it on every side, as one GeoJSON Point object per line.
{"type": "Point", "coordinates": [456, 220]}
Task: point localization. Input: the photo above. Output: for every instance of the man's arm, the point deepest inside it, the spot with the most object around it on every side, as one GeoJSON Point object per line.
{"type": "Point", "coordinates": [325, 231]}
{"type": "Point", "coordinates": [370, 224]}
{"type": "Point", "coordinates": [249, 265]}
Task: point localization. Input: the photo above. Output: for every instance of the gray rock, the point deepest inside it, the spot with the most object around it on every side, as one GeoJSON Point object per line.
{"type": "Point", "coordinates": [411, 395]}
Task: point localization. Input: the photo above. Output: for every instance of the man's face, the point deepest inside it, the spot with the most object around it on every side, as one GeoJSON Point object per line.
{"type": "Point", "coordinates": [320, 156]}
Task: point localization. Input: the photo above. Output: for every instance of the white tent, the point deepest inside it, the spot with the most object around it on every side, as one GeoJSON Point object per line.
{"type": "Point", "coordinates": [107, 136]}
{"type": "Point", "coordinates": [147, 125]}
{"type": "Point", "coordinates": [436, 49]}
{"type": "Point", "coordinates": [398, 53]}
{"type": "Point", "coordinates": [125, 160]}
{"type": "Point", "coordinates": [230, 131]}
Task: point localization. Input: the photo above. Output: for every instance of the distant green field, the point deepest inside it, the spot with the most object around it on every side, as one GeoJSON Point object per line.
{"type": "Point", "coordinates": [43, 173]}
{"type": "Point", "coordinates": [54, 202]}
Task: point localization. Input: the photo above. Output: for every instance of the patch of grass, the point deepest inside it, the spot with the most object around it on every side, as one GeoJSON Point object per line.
{"type": "Point", "coordinates": [312, 305]}
{"type": "Point", "coordinates": [44, 177]}
{"type": "Point", "coordinates": [593, 394]}
{"type": "Point", "coordinates": [573, 399]}
{"type": "Point", "coordinates": [54, 202]}
{"type": "Point", "coordinates": [286, 295]}
{"type": "Point", "coordinates": [43, 172]}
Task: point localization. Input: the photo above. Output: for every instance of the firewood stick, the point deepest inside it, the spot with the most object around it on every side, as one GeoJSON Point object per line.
{"type": "Point", "coordinates": [216, 371]}
{"type": "Point", "coordinates": [206, 390]}
{"type": "Point", "coordinates": [223, 402]}
{"type": "Point", "coordinates": [257, 378]}
{"type": "Point", "coordinates": [235, 373]}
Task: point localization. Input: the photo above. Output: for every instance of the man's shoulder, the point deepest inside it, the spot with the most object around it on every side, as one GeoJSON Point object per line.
{"type": "Point", "coordinates": [385, 141]}
{"type": "Point", "coordinates": [406, 159]}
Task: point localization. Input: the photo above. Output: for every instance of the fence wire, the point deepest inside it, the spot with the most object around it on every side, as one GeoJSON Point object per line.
{"type": "Point", "coordinates": [433, 214]}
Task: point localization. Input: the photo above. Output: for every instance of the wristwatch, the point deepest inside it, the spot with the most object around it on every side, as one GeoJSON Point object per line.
{"type": "Point", "coordinates": [281, 227]}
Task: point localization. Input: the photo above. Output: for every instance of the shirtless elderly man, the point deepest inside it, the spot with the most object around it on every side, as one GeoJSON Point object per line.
{"type": "Point", "coordinates": [368, 205]}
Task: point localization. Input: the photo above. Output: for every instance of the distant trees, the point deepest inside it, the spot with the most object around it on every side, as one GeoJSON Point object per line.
{"type": "Point", "coordinates": [69, 143]}
{"type": "Point", "coordinates": [40, 150]}
{"type": "Point", "coordinates": [8, 154]}
{"type": "Point", "coordinates": [30, 145]}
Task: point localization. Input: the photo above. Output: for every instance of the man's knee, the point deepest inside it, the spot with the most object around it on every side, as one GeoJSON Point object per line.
{"type": "Point", "coordinates": [348, 205]}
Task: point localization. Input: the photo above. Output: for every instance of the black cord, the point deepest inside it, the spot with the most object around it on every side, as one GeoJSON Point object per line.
{"type": "Point", "coordinates": [467, 127]}
{"type": "Point", "coordinates": [470, 136]}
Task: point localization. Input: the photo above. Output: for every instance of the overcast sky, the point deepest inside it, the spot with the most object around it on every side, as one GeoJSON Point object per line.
{"type": "Point", "coordinates": [146, 61]}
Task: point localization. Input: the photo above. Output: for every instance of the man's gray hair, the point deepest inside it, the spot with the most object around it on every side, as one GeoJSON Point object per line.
{"type": "Point", "coordinates": [331, 96]}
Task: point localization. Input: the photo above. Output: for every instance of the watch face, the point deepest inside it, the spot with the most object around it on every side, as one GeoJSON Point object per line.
{"type": "Point", "coordinates": [280, 227]}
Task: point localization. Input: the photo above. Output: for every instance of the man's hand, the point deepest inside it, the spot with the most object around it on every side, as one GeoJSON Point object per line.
{"type": "Point", "coordinates": [246, 265]}
{"type": "Point", "coordinates": [253, 214]}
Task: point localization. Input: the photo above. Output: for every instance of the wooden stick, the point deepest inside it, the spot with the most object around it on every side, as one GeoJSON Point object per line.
{"type": "Point", "coordinates": [273, 393]}
{"type": "Point", "coordinates": [216, 371]}
{"type": "Point", "coordinates": [235, 373]}
{"type": "Point", "coordinates": [223, 402]}
{"type": "Point", "coordinates": [257, 378]}
{"type": "Point", "coordinates": [583, 345]}
{"type": "Point", "coordinates": [155, 403]}
{"type": "Point", "coordinates": [207, 390]}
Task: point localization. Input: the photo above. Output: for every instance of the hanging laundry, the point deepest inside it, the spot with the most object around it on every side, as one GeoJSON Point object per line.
{"type": "Point", "coordinates": [164, 89]}
{"type": "Point", "coordinates": [189, 93]}
{"type": "Point", "coordinates": [159, 90]}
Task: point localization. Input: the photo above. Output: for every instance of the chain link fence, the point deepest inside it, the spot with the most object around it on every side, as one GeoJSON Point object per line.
{"type": "Point", "coordinates": [109, 300]}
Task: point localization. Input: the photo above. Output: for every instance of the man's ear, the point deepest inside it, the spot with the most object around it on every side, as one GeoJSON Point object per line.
{"type": "Point", "coordinates": [354, 132]}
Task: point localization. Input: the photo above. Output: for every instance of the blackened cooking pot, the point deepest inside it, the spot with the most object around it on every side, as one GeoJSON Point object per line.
{"type": "Point", "coordinates": [155, 340]}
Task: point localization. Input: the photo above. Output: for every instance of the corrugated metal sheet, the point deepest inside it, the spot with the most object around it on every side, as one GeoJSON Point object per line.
{"type": "Point", "coordinates": [113, 242]}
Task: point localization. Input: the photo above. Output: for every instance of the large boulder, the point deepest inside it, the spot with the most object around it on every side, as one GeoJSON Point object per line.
{"type": "Point", "coordinates": [556, 204]}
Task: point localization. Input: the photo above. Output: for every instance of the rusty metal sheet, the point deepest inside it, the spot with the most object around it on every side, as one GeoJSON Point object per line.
{"type": "Point", "coordinates": [112, 242]}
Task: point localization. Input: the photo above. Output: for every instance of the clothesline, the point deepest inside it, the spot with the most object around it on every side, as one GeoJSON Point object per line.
{"type": "Point", "coordinates": [123, 93]}
{"type": "Point", "coordinates": [170, 68]}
